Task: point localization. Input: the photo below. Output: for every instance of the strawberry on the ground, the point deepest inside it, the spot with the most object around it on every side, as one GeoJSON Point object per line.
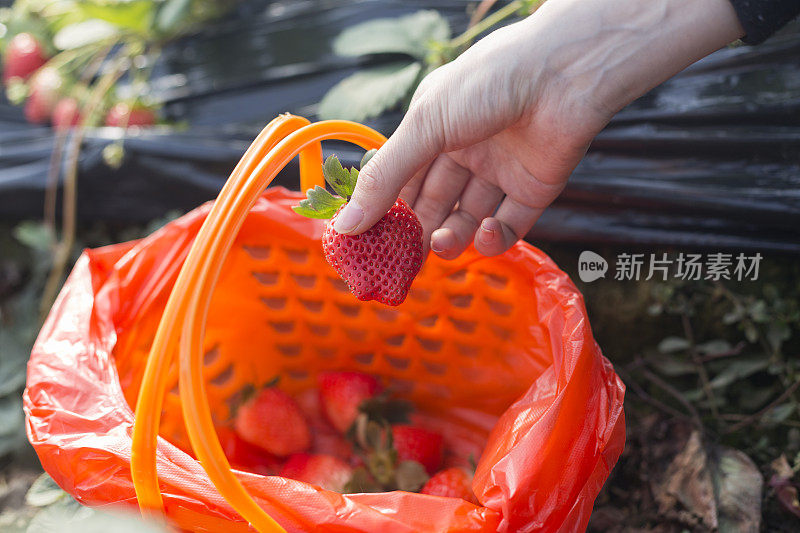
{"type": "Point", "coordinates": [324, 471]}
{"type": "Point", "coordinates": [452, 483]}
{"type": "Point", "coordinates": [414, 443]}
{"type": "Point", "coordinates": [45, 87]}
{"type": "Point", "coordinates": [122, 115]}
{"type": "Point", "coordinates": [341, 394]}
{"type": "Point", "coordinates": [66, 113]}
{"type": "Point", "coordinates": [244, 456]}
{"type": "Point", "coordinates": [273, 421]}
{"type": "Point", "coordinates": [379, 264]}
{"type": "Point", "coordinates": [23, 56]}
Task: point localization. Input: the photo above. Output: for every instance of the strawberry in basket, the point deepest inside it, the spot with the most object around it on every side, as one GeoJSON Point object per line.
{"type": "Point", "coordinates": [380, 263]}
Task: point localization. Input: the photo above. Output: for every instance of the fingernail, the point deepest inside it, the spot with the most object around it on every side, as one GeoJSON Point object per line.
{"type": "Point", "coordinates": [442, 240]}
{"type": "Point", "coordinates": [488, 232]}
{"type": "Point", "coordinates": [349, 219]}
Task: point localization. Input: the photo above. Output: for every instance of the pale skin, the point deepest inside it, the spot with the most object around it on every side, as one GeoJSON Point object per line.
{"type": "Point", "coordinates": [490, 139]}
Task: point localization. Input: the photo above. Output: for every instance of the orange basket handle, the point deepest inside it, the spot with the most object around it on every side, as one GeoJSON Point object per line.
{"type": "Point", "coordinates": [182, 326]}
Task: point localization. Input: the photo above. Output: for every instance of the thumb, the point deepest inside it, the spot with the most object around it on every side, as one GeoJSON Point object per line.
{"type": "Point", "coordinates": [416, 142]}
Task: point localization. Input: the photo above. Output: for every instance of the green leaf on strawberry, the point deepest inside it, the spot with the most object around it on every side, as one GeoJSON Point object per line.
{"type": "Point", "coordinates": [319, 203]}
{"type": "Point", "coordinates": [367, 156]}
{"type": "Point", "coordinates": [410, 476]}
{"type": "Point", "coordinates": [341, 180]}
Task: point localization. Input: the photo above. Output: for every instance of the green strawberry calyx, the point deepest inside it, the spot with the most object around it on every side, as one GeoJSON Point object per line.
{"type": "Point", "coordinates": [319, 202]}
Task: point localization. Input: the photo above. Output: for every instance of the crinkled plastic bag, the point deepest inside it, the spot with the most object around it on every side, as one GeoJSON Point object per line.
{"type": "Point", "coordinates": [497, 354]}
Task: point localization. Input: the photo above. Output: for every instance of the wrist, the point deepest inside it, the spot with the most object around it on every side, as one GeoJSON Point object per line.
{"type": "Point", "coordinates": [610, 52]}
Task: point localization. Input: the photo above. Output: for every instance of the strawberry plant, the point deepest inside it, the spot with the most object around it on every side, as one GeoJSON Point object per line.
{"type": "Point", "coordinates": [85, 64]}
{"type": "Point", "coordinates": [423, 40]}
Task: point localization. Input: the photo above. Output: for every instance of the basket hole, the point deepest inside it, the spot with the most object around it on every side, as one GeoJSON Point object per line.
{"type": "Point", "coordinates": [282, 327]}
{"type": "Point", "coordinates": [349, 310]}
{"type": "Point", "coordinates": [396, 340]}
{"type": "Point", "coordinates": [296, 256]}
{"type": "Point", "coordinates": [289, 350]}
{"type": "Point", "coordinates": [468, 350]}
{"type": "Point", "coordinates": [432, 345]}
{"type": "Point", "coordinates": [305, 281]}
{"type": "Point", "coordinates": [459, 276]}
{"type": "Point", "coordinates": [364, 358]}
{"type": "Point", "coordinates": [400, 363]}
{"type": "Point", "coordinates": [501, 308]}
{"type": "Point", "coordinates": [315, 306]}
{"type": "Point", "coordinates": [471, 373]}
{"type": "Point", "coordinates": [401, 386]}
{"type": "Point", "coordinates": [422, 295]}
{"type": "Point", "coordinates": [257, 252]}
{"type": "Point", "coordinates": [266, 278]}
{"type": "Point", "coordinates": [439, 391]}
{"type": "Point", "coordinates": [495, 281]}
{"type": "Point", "coordinates": [502, 333]}
{"type": "Point", "coordinates": [211, 356]}
{"type": "Point", "coordinates": [326, 353]}
{"type": "Point", "coordinates": [461, 300]}
{"type": "Point", "coordinates": [428, 321]}
{"type": "Point", "coordinates": [387, 315]}
{"type": "Point", "coordinates": [223, 377]}
{"type": "Point", "coordinates": [274, 302]}
{"type": "Point", "coordinates": [356, 334]}
{"type": "Point", "coordinates": [297, 375]}
{"type": "Point", "coordinates": [438, 369]}
{"type": "Point", "coordinates": [338, 284]}
{"type": "Point", "coordinates": [322, 330]}
{"type": "Point", "coordinates": [464, 326]}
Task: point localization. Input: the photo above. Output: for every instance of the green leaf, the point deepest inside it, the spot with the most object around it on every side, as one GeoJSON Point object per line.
{"type": "Point", "coordinates": [367, 156]}
{"type": "Point", "coordinates": [319, 204]}
{"type": "Point", "coordinates": [83, 33]}
{"type": "Point", "coordinates": [411, 34]}
{"type": "Point", "coordinates": [44, 492]}
{"type": "Point", "coordinates": [12, 428]}
{"type": "Point", "coordinates": [672, 366]}
{"type": "Point", "coordinates": [172, 13]}
{"type": "Point", "coordinates": [777, 334]}
{"type": "Point", "coordinates": [778, 414]}
{"type": "Point", "coordinates": [714, 347]}
{"type": "Point", "coordinates": [34, 235]}
{"type": "Point", "coordinates": [362, 481]}
{"type": "Point", "coordinates": [136, 15]}
{"type": "Point", "coordinates": [410, 476]}
{"type": "Point", "coordinates": [341, 180]}
{"type": "Point", "coordinates": [69, 516]}
{"type": "Point", "coordinates": [673, 344]}
{"type": "Point", "coordinates": [370, 92]}
{"type": "Point", "coordinates": [737, 370]}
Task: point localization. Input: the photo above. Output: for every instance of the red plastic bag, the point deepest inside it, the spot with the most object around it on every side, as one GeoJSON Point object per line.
{"type": "Point", "coordinates": [497, 353]}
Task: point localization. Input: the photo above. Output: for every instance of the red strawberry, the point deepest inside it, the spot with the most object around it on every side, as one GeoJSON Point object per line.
{"type": "Point", "coordinates": [417, 444]}
{"type": "Point", "coordinates": [451, 483]}
{"type": "Point", "coordinates": [341, 393]}
{"type": "Point", "coordinates": [273, 421]}
{"type": "Point", "coordinates": [44, 90]}
{"type": "Point", "coordinates": [66, 113]}
{"type": "Point", "coordinates": [122, 115]}
{"type": "Point", "coordinates": [244, 456]}
{"type": "Point", "coordinates": [324, 438]}
{"type": "Point", "coordinates": [23, 56]}
{"type": "Point", "coordinates": [324, 471]}
{"type": "Point", "coordinates": [381, 263]}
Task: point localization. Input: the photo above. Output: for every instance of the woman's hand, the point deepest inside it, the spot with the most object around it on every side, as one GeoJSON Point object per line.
{"type": "Point", "coordinates": [490, 139]}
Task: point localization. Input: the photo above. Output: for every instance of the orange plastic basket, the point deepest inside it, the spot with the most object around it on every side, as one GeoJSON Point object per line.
{"type": "Point", "coordinates": [496, 353]}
